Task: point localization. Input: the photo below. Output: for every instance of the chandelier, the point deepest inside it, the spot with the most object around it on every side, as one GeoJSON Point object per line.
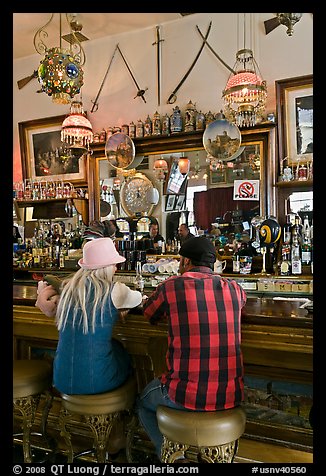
{"type": "Point", "coordinates": [60, 71]}
{"type": "Point", "coordinates": [76, 129]}
{"type": "Point", "coordinates": [245, 92]}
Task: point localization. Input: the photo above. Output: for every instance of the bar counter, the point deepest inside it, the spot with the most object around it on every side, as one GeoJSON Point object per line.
{"type": "Point", "coordinates": [277, 344]}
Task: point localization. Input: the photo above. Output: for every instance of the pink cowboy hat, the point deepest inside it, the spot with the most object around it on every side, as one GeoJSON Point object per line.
{"type": "Point", "coordinates": [100, 253]}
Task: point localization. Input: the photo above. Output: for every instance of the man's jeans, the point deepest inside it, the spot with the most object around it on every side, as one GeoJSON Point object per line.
{"type": "Point", "coordinates": [153, 395]}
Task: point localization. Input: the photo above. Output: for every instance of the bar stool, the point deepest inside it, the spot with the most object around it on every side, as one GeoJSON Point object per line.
{"type": "Point", "coordinates": [31, 378]}
{"type": "Point", "coordinates": [100, 412]}
{"type": "Point", "coordinates": [212, 436]}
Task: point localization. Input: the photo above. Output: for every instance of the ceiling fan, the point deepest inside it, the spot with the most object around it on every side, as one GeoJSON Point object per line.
{"type": "Point", "coordinates": [76, 28]}
{"type": "Point", "coordinates": [287, 19]}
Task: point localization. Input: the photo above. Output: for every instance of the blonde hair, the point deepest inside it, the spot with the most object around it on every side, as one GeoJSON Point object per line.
{"type": "Point", "coordinates": [85, 284]}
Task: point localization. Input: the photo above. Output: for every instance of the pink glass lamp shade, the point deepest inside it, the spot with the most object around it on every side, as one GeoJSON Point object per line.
{"type": "Point", "coordinates": [245, 93]}
{"type": "Point", "coordinates": [184, 165]}
{"type": "Point", "coordinates": [76, 128]}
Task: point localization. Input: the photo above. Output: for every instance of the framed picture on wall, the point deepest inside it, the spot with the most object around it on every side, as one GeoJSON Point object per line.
{"type": "Point", "coordinates": [218, 176]}
{"type": "Point", "coordinates": [179, 203]}
{"type": "Point", "coordinates": [169, 204]}
{"type": "Point", "coordinates": [45, 157]}
{"type": "Point", "coordinates": [294, 101]}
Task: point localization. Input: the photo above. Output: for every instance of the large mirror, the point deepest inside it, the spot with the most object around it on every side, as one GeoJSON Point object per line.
{"type": "Point", "coordinates": [202, 177]}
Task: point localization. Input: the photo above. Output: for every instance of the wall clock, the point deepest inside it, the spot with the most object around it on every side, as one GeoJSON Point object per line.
{"type": "Point", "coordinates": [136, 195]}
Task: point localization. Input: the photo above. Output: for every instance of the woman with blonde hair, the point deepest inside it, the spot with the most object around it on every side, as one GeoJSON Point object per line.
{"type": "Point", "coordinates": [88, 360]}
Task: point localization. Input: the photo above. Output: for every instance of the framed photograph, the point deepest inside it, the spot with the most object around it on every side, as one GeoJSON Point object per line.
{"type": "Point", "coordinates": [179, 203]}
{"type": "Point", "coordinates": [294, 101]}
{"type": "Point", "coordinates": [218, 176]}
{"type": "Point", "coordinates": [169, 204]}
{"type": "Point", "coordinates": [45, 157]}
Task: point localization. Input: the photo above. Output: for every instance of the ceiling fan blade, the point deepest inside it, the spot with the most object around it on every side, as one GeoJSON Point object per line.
{"type": "Point", "coordinates": [271, 24]}
{"type": "Point", "coordinates": [22, 82]}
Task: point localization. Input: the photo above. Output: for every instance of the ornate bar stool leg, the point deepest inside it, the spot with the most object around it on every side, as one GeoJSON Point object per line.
{"type": "Point", "coordinates": [218, 454]}
{"type": "Point", "coordinates": [101, 426]}
{"type": "Point", "coordinates": [64, 417]}
{"type": "Point", "coordinates": [27, 407]}
{"type": "Point", "coordinates": [131, 428]}
{"type": "Point", "coordinates": [172, 450]}
{"type": "Point", "coordinates": [46, 410]}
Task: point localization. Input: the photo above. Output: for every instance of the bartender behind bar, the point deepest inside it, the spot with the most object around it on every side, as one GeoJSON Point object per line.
{"type": "Point", "coordinates": [156, 240]}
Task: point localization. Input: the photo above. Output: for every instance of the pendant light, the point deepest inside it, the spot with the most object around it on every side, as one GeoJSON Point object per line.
{"type": "Point", "coordinates": [60, 71]}
{"type": "Point", "coordinates": [245, 92]}
{"type": "Point", "coordinates": [76, 129]}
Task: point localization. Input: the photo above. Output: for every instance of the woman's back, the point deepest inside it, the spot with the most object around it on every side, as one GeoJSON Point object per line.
{"type": "Point", "coordinates": [92, 362]}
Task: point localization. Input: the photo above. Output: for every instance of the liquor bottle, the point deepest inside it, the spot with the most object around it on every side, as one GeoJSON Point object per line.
{"type": "Point", "coordinates": [306, 241]}
{"type": "Point", "coordinates": [287, 230]}
{"type": "Point", "coordinates": [306, 226]}
{"type": "Point", "coordinates": [285, 265]}
{"type": "Point", "coordinates": [296, 230]}
{"type": "Point", "coordinates": [139, 280]}
{"type": "Point", "coordinates": [296, 257]}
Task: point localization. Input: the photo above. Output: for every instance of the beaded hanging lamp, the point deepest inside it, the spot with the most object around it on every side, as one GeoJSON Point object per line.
{"type": "Point", "coordinates": [60, 71]}
{"type": "Point", "coordinates": [245, 93]}
{"type": "Point", "coordinates": [76, 129]}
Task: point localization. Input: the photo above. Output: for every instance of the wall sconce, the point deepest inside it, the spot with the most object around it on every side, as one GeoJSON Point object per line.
{"type": "Point", "coordinates": [60, 73]}
{"type": "Point", "coordinates": [184, 165]}
{"type": "Point", "coordinates": [160, 169]}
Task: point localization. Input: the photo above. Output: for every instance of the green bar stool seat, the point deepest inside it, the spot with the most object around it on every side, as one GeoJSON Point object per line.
{"type": "Point", "coordinates": [212, 436]}
{"type": "Point", "coordinates": [100, 412]}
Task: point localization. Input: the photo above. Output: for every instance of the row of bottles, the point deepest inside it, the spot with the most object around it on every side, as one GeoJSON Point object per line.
{"type": "Point", "coordinates": [49, 247]}
{"type": "Point", "coordinates": [297, 246]}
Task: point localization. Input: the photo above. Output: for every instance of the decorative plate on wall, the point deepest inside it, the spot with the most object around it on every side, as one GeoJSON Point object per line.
{"type": "Point", "coordinates": [222, 139]}
{"type": "Point", "coordinates": [120, 150]}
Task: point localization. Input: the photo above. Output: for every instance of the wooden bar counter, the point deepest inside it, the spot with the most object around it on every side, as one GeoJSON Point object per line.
{"type": "Point", "coordinates": [277, 344]}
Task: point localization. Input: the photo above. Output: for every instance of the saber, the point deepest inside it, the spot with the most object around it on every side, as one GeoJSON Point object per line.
{"type": "Point", "coordinates": [214, 52]}
{"type": "Point", "coordinates": [173, 96]}
{"type": "Point", "coordinates": [158, 59]}
{"type": "Point", "coordinates": [140, 92]}
{"type": "Point", "coordinates": [95, 103]}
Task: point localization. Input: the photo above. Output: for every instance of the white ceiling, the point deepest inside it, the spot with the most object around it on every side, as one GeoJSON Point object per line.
{"type": "Point", "coordinates": [95, 25]}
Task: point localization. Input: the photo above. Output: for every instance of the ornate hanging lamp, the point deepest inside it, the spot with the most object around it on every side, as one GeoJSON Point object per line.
{"type": "Point", "coordinates": [60, 71]}
{"type": "Point", "coordinates": [76, 130]}
{"type": "Point", "coordinates": [245, 92]}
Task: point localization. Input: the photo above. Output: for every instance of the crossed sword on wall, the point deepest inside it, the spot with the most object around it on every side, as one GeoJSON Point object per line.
{"type": "Point", "coordinates": [173, 96]}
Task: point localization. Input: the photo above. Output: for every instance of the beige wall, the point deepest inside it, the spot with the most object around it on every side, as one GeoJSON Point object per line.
{"type": "Point", "coordinates": [278, 55]}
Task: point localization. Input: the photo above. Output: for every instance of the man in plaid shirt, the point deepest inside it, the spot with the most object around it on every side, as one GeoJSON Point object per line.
{"type": "Point", "coordinates": [204, 359]}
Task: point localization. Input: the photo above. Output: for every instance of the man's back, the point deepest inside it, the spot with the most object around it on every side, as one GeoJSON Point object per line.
{"type": "Point", "coordinates": [205, 368]}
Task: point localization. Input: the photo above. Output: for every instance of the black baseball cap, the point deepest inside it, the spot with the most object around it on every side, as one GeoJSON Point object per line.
{"type": "Point", "coordinates": [199, 249]}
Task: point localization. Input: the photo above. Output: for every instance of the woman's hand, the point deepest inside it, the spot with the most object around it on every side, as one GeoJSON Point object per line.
{"type": "Point", "coordinates": [122, 315]}
{"type": "Point", "coordinates": [47, 299]}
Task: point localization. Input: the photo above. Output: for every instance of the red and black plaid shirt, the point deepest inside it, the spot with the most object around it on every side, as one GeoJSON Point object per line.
{"type": "Point", "coordinates": [204, 359]}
